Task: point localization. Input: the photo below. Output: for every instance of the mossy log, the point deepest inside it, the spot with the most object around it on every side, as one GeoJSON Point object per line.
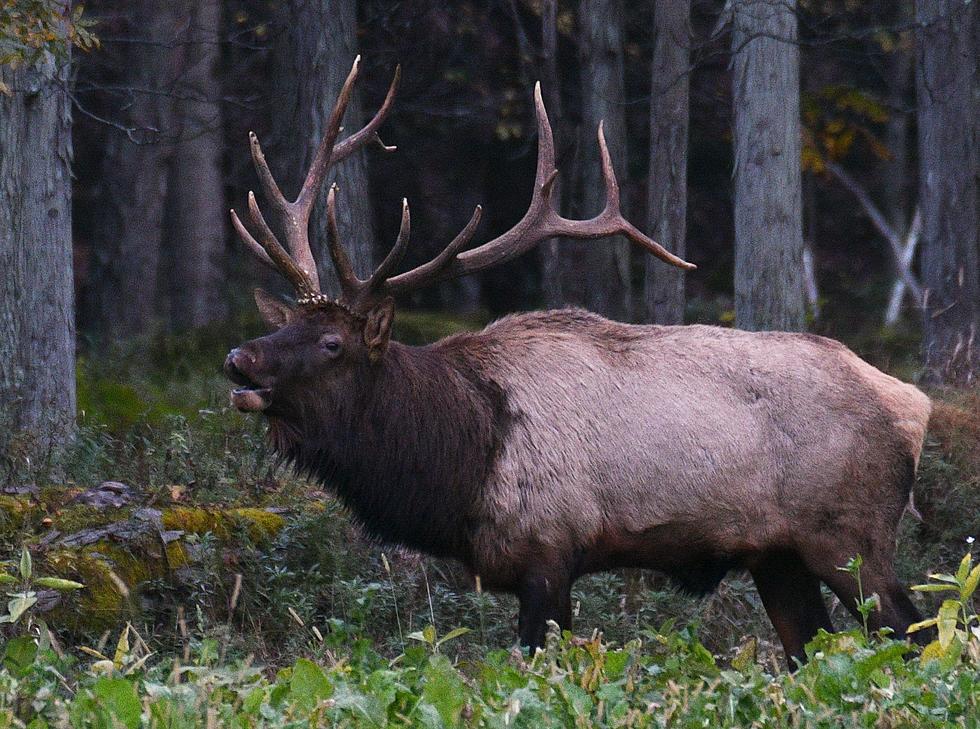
{"type": "Point", "coordinates": [114, 547]}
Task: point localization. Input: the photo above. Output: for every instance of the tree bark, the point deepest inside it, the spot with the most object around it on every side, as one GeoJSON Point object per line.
{"type": "Point", "coordinates": [595, 274]}
{"type": "Point", "coordinates": [768, 220]}
{"type": "Point", "coordinates": [947, 100]}
{"type": "Point", "coordinates": [667, 185]}
{"type": "Point", "coordinates": [121, 296]}
{"type": "Point", "coordinates": [37, 316]}
{"type": "Point", "coordinates": [313, 57]}
{"type": "Point", "coordinates": [198, 231]}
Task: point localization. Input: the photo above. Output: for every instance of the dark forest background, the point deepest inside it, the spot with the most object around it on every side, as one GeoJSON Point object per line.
{"type": "Point", "coordinates": [163, 109]}
{"type": "Point", "coordinates": [817, 160]}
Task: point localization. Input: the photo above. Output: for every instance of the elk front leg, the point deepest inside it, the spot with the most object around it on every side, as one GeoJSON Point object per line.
{"type": "Point", "coordinates": [543, 597]}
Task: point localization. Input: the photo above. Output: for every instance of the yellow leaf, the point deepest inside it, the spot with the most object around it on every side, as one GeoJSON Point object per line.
{"type": "Point", "coordinates": [970, 586]}
{"type": "Point", "coordinates": [932, 652]}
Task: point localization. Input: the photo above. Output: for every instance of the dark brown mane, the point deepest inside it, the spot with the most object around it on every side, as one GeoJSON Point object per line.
{"type": "Point", "coordinates": [409, 453]}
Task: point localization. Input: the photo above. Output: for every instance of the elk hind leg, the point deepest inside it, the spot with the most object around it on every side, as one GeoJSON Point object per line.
{"type": "Point", "coordinates": [791, 596]}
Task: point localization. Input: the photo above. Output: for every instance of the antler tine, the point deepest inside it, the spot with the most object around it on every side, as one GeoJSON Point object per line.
{"type": "Point", "coordinates": [350, 284]}
{"type": "Point", "coordinates": [611, 221]}
{"type": "Point", "coordinates": [270, 188]}
{"type": "Point", "coordinates": [342, 150]}
{"type": "Point", "coordinates": [276, 253]}
{"type": "Point", "coordinates": [250, 242]}
{"type": "Point", "coordinates": [443, 266]}
{"type": "Point", "coordinates": [546, 171]}
{"type": "Point", "coordinates": [324, 153]}
{"type": "Point", "coordinates": [397, 252]}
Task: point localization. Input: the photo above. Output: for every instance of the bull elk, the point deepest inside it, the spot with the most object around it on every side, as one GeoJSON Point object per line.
{"type": "Point", "coordinates": [554, 444]}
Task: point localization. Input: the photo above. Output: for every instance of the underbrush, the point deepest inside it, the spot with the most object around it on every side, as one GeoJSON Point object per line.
{"type": "Point", "coordinates": [314, 624]}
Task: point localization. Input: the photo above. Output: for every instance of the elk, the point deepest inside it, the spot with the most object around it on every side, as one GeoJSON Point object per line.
{"type": "Point", "coordinates": [558, 443]}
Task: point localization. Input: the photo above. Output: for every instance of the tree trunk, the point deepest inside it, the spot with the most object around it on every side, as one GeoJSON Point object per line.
{"type": "Point", "coordinates": [947, 99]}
{"type": "Point", "coordinates": [37, 316]}
{"type": "Point", "coordinates": [313, 57]}
{"type": "Point", "coordinates": [667, 186]}
{"type": "Point", "coordinates": [768, 224]}
{"type": "Point", "coordinates": [551, 90]}
{"type": "Point", "coordinates": [595, 274]}
{"type": "Point", "coordinates": [896, 169]}
{"type": "Point", "coordinates": [120, 299]}
{"type": "Point", "coordinates": [196, 238]}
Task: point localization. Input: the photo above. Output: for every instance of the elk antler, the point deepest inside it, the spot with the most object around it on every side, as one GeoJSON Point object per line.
{"type": "Point", "coordinates": [540, 222]}
{"type": "Point", "coordinates": [298, 264]}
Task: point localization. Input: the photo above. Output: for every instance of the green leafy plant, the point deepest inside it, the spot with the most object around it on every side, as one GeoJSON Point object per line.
{"type": "Point", "coordinates": [957, 623]}
{"type": "Point", "coordinates": [24, 594]}
{"type": "Point", "coordinates": [864, 605]}
{"type": "Point", "coordinates": [429, 637]}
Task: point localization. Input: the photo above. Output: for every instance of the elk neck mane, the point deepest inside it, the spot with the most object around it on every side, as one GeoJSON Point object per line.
{"type": "Point", "coordinates": [410, 452]}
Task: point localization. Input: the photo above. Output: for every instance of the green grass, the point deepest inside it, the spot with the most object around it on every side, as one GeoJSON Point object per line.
{"type": "Point", "coordinates": [317, 626]}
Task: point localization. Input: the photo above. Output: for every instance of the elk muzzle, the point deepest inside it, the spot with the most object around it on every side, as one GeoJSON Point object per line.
{"type": "Point", "coordinates": [252, 395]}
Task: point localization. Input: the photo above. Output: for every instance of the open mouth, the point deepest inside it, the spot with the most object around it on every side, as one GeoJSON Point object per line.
{"type": "Point", "coordinates": [251, 399]}
{"type": "Point", "coordinates": [250, 396]}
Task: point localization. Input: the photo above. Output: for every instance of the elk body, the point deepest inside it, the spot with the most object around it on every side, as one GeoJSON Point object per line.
{"type": "Point", "coordinates": [554, 444]}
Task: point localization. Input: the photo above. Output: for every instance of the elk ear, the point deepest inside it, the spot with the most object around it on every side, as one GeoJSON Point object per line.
{"type": "Point", "coordinates": [377, 328]}
{"type": "Point", "coordinates": [274, 312]}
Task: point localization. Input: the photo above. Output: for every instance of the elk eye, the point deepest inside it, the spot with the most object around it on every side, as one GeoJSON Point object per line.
{"type": "Point", "coordinates": [331, 345]}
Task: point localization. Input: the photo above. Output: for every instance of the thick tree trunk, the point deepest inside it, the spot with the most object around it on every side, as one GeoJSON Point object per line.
{"type": "Point", "coordinates": [947, 98]}
{"type": "Point", "coordinates": [595, 274]}
{"type": "Point", "coordinates": [197, 234]}
{"type": "Point", "coordinates": [121, 295]}
{"type": "Point", "coordinates": [667, 186]}
{"type": "Point", "coordinates": [313, 56]}
{"type": "Point", "coordinates": [37, 316]}
{"type": "Point", "coordinates": [768, 221]}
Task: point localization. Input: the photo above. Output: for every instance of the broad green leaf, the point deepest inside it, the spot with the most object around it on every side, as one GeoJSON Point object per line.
{"type": "Point", "coordinates": [578, 699]}
{"type": "Point", "coordinates": [6, 579]}
{"type": "Point", "coordinates": [429, 634]}
{"type": "Point", "coordinates": [308, 685]}
{"type": "Point", "coordinates": [935, 588]}
{"type": "Point", "coordinates": [19, 654]}
{"type": "Point", "coordinates": [20, 604]}
{"type": "Point", "coordinates": [444, 689]}
{"type": "Point", "coordinates": [118, 697]}
{"type": "Point", "coordinates": [455, 633]}
{"type": "Point", "coordinates": [964, 569]}
{"type": "Point", "coordinates": [56, 583]}
{"type": "Point", "coordinates": [943, 577]}
{"type": "Point", "coordinates": [26, 567]}
{"type": "Point", "coordinates": [948, 614]}
{"type": "Point", "coordinates": [921, 624]}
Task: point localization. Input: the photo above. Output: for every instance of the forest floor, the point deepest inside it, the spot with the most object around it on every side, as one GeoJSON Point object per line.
{"type": "Point", "coordinates": [220, 589]}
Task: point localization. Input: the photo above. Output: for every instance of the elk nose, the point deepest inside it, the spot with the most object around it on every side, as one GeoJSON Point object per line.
{"type": "Point", "coordinates": [236, 360]}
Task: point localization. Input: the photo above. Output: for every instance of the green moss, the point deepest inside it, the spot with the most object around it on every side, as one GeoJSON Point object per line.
{"type": "Point", "coordinates": [14, 513]}
{"type": "Point", "coordinates": [261, 524]}
{"type": "Point", "coordinates": [76, 517]}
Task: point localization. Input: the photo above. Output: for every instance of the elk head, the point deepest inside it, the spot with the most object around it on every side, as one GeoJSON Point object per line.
{"type": "Point", "coordinates": [324, 344]}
